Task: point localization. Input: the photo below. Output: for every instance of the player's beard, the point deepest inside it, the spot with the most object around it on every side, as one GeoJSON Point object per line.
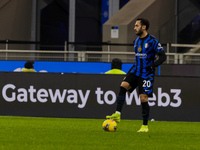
{"type": "Point", "coordinates": [140, 32]}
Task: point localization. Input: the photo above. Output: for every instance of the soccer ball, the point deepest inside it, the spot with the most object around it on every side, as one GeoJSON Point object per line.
{"type": "Point", "coordinates": [109, 125]}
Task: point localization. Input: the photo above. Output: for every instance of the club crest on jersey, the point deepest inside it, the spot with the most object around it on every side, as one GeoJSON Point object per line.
{"type": "Point", "coordinates": [146, 45]}
{"type": "Point", "coordinates": [140, 49]}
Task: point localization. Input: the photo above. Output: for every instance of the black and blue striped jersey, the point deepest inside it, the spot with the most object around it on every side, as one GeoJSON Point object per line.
{"type": "Point", "coordinates": [146, 49]}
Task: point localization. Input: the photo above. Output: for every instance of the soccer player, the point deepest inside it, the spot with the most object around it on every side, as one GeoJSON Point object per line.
{"type": "Point", "coordinates": [146, 49]}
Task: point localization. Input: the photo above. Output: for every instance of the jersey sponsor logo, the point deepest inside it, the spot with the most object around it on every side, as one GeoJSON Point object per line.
{"type": "Point", "coordinates": [141, 55]}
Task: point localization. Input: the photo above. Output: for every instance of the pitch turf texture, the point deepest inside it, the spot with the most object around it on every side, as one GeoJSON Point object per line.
{"type": "Point", "coordinates": [30, 133]}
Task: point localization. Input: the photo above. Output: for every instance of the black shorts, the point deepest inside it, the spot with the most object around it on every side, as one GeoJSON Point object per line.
{"type": "Point", "coordinates": [145, 85]}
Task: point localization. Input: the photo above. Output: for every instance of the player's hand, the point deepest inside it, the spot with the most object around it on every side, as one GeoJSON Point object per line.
{"type": "Point", "coordinates": [150, 67]}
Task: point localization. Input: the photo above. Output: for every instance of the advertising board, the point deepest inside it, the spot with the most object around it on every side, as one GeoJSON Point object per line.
{"type": "Point", "coordinates": [94, 96]}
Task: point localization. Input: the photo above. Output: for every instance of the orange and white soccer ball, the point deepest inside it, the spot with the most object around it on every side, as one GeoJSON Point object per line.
{"type": "Point", "coordinates": [109, 125]}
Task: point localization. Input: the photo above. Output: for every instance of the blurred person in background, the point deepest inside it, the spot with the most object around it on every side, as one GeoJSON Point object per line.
{"type": "Point", "coordinates": [116, 67]}
{"type": "Point", "coordinates": [28, 67]}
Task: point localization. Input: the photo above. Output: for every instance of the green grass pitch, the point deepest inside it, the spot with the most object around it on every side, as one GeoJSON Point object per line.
{"type": "Point", "coordinates": [32, 133]}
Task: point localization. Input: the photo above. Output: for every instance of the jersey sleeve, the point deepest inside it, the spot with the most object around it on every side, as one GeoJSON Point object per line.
{"type": "Point", "coordinates": [158, 47]}
{"type": "Point", "coordinates": [161, 59]}
{"type": "Point", "coordinates": [161, 54]}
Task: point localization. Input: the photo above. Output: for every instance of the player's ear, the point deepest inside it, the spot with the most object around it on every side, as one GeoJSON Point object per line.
{"type": "Point", "coordinates": [144, 27]}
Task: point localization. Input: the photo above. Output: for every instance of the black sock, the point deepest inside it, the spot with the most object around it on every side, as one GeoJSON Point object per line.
{"type": "Point", "coordinates": [145, 112]}
{"type": "Point", "coordinates": [121, 98]}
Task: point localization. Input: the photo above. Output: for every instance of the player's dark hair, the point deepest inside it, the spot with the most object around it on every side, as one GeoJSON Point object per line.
{"type": "Point", "coordinates": [116, 64]}
{"type": "Point", "coordinates": [144, 22]}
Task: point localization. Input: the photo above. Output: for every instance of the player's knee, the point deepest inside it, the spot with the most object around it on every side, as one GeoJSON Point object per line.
{"type": "Point", "coordinates": [143, 98]}
{"type": "Point", "coordinates": [125, 85]}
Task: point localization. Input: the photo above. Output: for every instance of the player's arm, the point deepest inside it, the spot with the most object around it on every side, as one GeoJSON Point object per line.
{"type": "Point", "coordinates": [161, 57]}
